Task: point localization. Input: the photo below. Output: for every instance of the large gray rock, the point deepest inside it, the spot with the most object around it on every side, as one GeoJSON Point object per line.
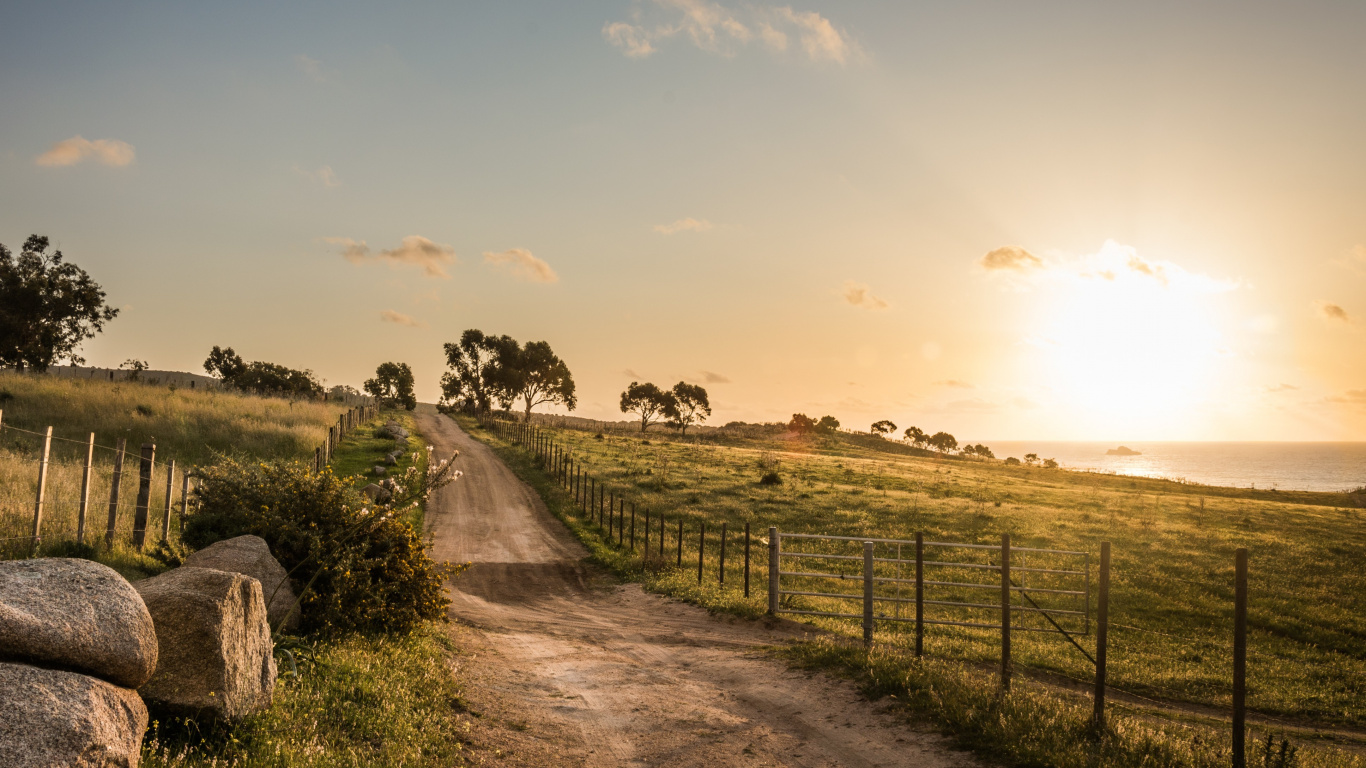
{"type": "Point", "coordinates": [77, 615]}
{"type": "Point", "coordinates": [216, 653]}
{"type": "Point", "coordinates": [56, 718]}
{"type": "Point", "coordinates": [376, 493]}
{"type": "Point", "coordinates": [250, 555]}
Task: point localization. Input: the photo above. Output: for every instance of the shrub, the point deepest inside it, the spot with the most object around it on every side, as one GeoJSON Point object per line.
{"type": "Point", "coordinates": [360, 567]}
{"type": "Point", "coordinates": [770, 478]}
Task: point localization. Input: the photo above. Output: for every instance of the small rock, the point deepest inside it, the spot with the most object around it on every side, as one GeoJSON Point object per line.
{"type": "Point", "coordinates": [389, 459]}
{"type": "Point", "coordinates": [376, 493]}
{"type": "Point", "coordinates": [216, 653]}
{"type": "Point", "coordinates": [379, 470]}
{"type": "Point", "coordinates": [250, 556]}
{"type": "Point", "coordinates": [77, 615]}
{"type": "Point", "coordinates": [58, 718]}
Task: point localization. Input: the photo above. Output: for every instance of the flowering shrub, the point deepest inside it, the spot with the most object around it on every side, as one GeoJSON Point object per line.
{"type": "Point", "coordinates": [357, 566]}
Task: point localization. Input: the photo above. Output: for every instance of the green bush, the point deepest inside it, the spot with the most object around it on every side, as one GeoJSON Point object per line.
{"type": "Point", "coordinates": [360, 566]}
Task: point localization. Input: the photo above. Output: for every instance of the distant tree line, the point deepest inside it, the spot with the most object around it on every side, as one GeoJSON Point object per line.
{"type": "Point", "coordinates": [482, 369]}
{"type": "Point", "coordinates": [681, 407]}
{"type": "Point", "coordinates": [260, 377]}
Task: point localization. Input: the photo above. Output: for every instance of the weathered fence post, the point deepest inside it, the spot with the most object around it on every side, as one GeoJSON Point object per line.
{"type": "Point", "coordinates": [114, 483]}
{"type": "Point", "coordinates": [662, 528]}
{"type": "Point", "coordinates": [633, 529]}
{"type": "Point", "coordinates": [1102, 635]}
{"type": "Point", "coordinates": [746, 559]}
{"type": "Point", "coordinates": [701, 548]}
{"type": "Point", "coordinates": [680, 542]}
{"type": "Point", "coordinates": [184, 497]}
{"type": "Point", "coordinates": [775, 554]}
{"type": "Point", "coordinates": [170, 496]}
{"type": "Point", "coordinates": [868, 593]}
{"type": "Point", "coordinates": [42, 491]}
{"type": "Point", "coordinates": [1005, 611]}
{"type": "Point", "coordinates": [919, 594]}
{"type": "Point", "coordinates": [1240, 659]}
{"type": "Point", "coordinates": [85, 489]}
{"type": "Point", "coordinates": [149, 452]}
{"type": "Point", "coordinates": [721, 569]}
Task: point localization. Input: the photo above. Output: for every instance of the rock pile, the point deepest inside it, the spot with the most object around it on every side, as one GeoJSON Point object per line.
{"type": "Point", "coordinates": [250, 556]}
{"type": "Point", "coordinates": [75, 639]}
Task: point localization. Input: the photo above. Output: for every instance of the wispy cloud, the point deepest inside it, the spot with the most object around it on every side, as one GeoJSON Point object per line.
{"type": "Point", "coordinates": [709, 377]}
{"type": "Point", "coordinates": [860, 295]}
{"type": "Point", "coordinates": [683, 225]}
{"type": "Point", "coordinates": [714, 28]}
{"type": "Point", "coordinates": [311, 68]}
{"type": "Point", "coordinates": [1354, 259]}
{"type": "Point", "coordinates": [414, 250]}
{"type": "Point", "coordinates": [1350, 397]}
{"type": "Point", "coordinates": [1010, 257]}
{"type": "Point", "coordinates": [1330, 311]}
{"type": "Point", "coordinates": [1282, 387]}
{"type": "Point", "coordinates": [955, 383]}
{"type": "Point", "coordinates": [398, 318]}
{"type": "Point", "coordinates": [631, 374]}
{"type": "Point", "coordinates": [77, 149]}
{"type": "Point", "coordinates": [522, 265]}
{"type": "Point", "coordinates": [324, 175]}
{"type": "Point", "coordinates": [1112, 263]}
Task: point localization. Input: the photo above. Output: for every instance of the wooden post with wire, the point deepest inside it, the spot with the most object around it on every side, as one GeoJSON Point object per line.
{"type": "Point", "coordinates": [1005, 611]}
{"type": "Point", "coordinates": [114, 484]}
{"type": "Point", "coordinates": [774, 556]}
{"type": "Point", "coordinates": [868, 594]}
{"type": "Point", "coordinates": [701, 548]}
{"type": "Point", "coordinates": [85, 489]}
{"type": "Point", "coordinates": [721, 571]}
{"type": "Point", "coordinates": [170, 496]}
{"type": "Point", "coordinates": [42, 492]}
{"type": "Point", "coordinates": [147, 459]}
{"type": "Point", "coordinates": [746, 559]}
{"type": "Point", "coordinates": [1240, 659]}
{"type": "Point", "coordinates": [1102, 636]}
{"type": "Point", "coordinates": [919, 594]}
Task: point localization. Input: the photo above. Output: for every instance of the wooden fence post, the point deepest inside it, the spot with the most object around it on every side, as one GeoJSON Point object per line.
{"type": "Point", "coordinates": [149, 452]}
{"type": "Point", "coordinates": [1102, 635]}
{"type": "Point", "coordinates": [701, 548]}
{"type": "Point", "coordinates": [633, 528]}
{"type": "Point", "coordinates": [114, 483]}
{"type": "Point", "coordinates": [721, 569]}
{"type": "Point", "coordinates": [680, 542]}
{"type": "Point", "coordinates": [170, 496]}
{"type": "Point", "coordinates": [621, 524]}
{"type": "Point", "coordinates": [775, 554]}
{"type": "Point", "coordinates": [1005, 611]}
{"type": "Point", "coordinates": [868, 593]}
{"type": "Point", "coordinates": [746, 559]}
{"type": "Point", "coordinates": [184, 497]}
{"type": "Point", "coordinates": [661, 538]}
{"type": "Point", "coordinates": [919, 594]}
{"type": "Point", "coordinates": [1240, 659]}
{"type": "Point", "coordinates": [42, 491]}
{"type": "Point", "coordinates": [85, 488]}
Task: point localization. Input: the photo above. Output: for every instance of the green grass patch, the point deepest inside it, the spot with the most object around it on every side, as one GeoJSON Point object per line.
{"type": "Point", "coordinates": [358, 702]}
{"type": "Point", "coordinates": [365, 447]}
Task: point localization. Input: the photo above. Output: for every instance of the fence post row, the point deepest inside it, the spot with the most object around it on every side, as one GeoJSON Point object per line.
{"type": "Point", "coordinates": [149, 452]}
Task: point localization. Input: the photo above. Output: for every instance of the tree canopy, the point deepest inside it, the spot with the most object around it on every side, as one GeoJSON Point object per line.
{"type": "Point", "coordinates": [393, 386]}
{"type": "Point", "coordinates": [883, 427]}
{"type": "Point", "coordinates": [48, 307]}
{"type": "Point", "coordinates": [466, 384]}
{"type": "Point", "coordinates": [531, 373]}
{"type": "Point", "coordinates": [916, 436]}
{"type": "Point", "coordinates": [224, 363]}
{"type": "Point", "coordinates": [942, 442]}
{"type": "Point", "coordinates": [649, 402]}
{"type": "Point", "coordinates": [691, 406]}
{"type": "Point", "coordinates": [801, 423]}
{"type": "Point", "coordinates": [828, 424]}
{"type": "Point", "coordinates": [261, 377]}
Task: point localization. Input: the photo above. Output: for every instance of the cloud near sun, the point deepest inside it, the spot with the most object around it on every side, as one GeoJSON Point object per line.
{"type": "Point", "coordinates": [717, 29]}
{"type": "Point", "coordinates": [523, 265]}
{"type": "Point", "coordinates": [860, 295]}
{"type": "Point", "coordinates": [1113, 262]}
{"type": "Point", "coordinates": [78, 148]}
{"type": "Point", "coordinates": [413, 249]}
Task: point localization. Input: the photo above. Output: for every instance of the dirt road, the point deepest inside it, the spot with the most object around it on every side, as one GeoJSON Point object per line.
{"type": "Point", "coordinates": [567, 667]}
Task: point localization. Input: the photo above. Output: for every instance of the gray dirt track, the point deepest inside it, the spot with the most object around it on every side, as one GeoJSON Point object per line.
{"type": "Point", "coordinates": [570, 668]}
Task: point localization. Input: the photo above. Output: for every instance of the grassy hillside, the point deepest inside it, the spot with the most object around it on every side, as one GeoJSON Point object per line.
{"type": "Point", "coordinates": [1173, 545]}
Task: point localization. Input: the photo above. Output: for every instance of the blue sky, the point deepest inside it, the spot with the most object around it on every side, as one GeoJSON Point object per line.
{"type": "Point", "coordinates": [792, 203]}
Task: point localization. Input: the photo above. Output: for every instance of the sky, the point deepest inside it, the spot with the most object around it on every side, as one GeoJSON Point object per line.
{"type": "Point", "coordinates": [1004, 220]}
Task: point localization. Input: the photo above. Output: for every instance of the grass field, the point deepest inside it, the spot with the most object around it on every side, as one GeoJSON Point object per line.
{"type": "Point", "coordinates": [187, 426]}
{"type": "Point", "coordinates": [1173, 545]}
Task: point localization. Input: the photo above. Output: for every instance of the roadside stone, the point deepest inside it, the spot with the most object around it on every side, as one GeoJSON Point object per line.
{"type": "Point", "coordinates": [389, 459]}
{"type": "Point", "coordinates": [379, 471]}
{"type": "Point", "coordinates": [250, 556]}
{"type": "Point", "coordinates": [77, 615]}
{"type": "Point", "coordinates": [58, 718]}
{"type": "Point", "coordinates": [216, 653]}
{"type": "Point", "coordinates": [376, 493]}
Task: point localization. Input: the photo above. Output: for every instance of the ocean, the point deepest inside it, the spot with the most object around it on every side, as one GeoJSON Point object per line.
{"type": "Point", "coordinates": [1287, 466]}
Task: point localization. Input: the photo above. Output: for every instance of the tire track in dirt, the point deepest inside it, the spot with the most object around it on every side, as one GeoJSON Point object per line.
{"type": "Point", "coordinates": [569, 667]}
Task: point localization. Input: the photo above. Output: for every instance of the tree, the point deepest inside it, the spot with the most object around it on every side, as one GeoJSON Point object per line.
{"type": "Point", "coordinates": [801, 424]}
{"type": "Point", "coordinates": [47, 307]}
{"type": "Point", "coordinates": [690, 406]}
{"type": "Point", "coordinates": [883, 427]}
{"type": "Point", "coordinates": [916, 435]}
{"type": "Point", "coordinates": [1031, 459]}
{"type": "Point", "coordinates": [393, 386]}
{"type": "Point", "coordinates": [271, 379]}
{"type": "Point", "coordinates": [647, 401]}
{"type": "Point", "coordinates": [1050, 463]}
{"type": "Point", "coordinates": [134, 368]}
{"type": "Point", "coordinates": [225, 364]}
{"type": "Point", "coordinates": [827, 424]}
{"type": "Point", "coordinates": [532, 373]}
{"type": "Point", "coordinates": [943, 442]}
{"type": "Point", "coordinates": [466, 383]}
{"type": "Point", "coordinates": [1012, 462]}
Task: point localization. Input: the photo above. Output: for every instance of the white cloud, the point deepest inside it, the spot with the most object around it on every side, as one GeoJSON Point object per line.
{"type": "Point", "coordinates": [390, 316]}
{"type": "Point", "coordinates": [76, 149]}
{"type": "Point", "coordinates": [413, 249]}
{"type": "Point", "coordinates": [1011, 257]}
{"type": "Point", "coordinates": [860, 295]}
{"type": "Point", "coordinates": [1112, 263]}
{"type": "Point", "coordinates": [324, 175]}
{"type": "Point", "coordinates": [714, 28]}
{"type": "Point", "coordinates": [311, 68]}
{"type": "Point", "coordinates": [683, 225]}
{"type": "Point", "coordinates": [522, 265]}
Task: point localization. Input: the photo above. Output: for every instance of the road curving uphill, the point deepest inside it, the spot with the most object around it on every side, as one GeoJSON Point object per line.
{"type": "Point", "coordinates": [581, 670]}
